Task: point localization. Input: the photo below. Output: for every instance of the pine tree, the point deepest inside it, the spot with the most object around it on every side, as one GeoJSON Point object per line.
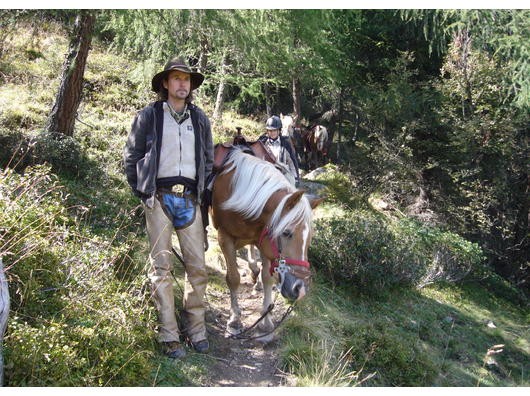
{"type": "Point", "coordinates": [64, 111]}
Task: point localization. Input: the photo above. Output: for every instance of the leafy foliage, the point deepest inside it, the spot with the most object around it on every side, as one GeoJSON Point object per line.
{"type": "Point", "coordinates": [364, 250]}
{"type": "Point", "coordinates": [497, 32]}
{"type": "Point", "coordinates": [70, 228]}
{"type": "Point", "coordinates": [70, 307]}
{"type": "Point", "coordinates": [485, 157]}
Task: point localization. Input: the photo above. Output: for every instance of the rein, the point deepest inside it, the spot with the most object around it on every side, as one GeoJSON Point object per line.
{"type": "Point", "coordinates": [241, 336]}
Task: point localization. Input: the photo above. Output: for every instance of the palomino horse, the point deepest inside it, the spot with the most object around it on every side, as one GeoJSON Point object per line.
{"type": "Point", "coordinates": [316, 139]}
{"type": "Point", "coordinates": [253, 203]}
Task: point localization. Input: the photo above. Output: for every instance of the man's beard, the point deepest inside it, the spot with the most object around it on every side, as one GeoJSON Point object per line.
{"type": "Point", "coordinates": [181, 94]}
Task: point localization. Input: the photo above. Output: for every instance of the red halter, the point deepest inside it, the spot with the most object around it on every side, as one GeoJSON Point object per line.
{"type": "Point", "coordinates": [278, 254]}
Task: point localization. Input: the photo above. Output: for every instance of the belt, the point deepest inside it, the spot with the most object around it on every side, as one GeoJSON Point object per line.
{"type": "Point", "coordinates": [177, 189]}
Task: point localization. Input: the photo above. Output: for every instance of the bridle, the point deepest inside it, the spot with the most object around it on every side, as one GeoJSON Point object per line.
{"type": "Point", "coordinates": [279, 264]}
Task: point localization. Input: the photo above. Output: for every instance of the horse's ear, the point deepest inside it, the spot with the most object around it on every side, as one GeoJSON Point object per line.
{"type": "Point", "coordinates": [315, 202]}
{"type": "Point", "coordinates": [293, 199]}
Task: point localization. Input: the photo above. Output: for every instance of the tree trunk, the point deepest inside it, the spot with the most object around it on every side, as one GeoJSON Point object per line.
{"type": "Point", "coordinates": [64, 111]}
{"type": "Point", "coordinates": [296, 99]}
{"type": "Point", "coordinates": [203, 58]}
{"type": "Point", "coordinates": [463, 40]}
{"type": "Point", "coordinates": [4, 313]}
{"type": "Point", "coordinates": [268, 99]}
{"type": "Point", "coordinates": [218, 111]}
{"type": "Point", "coordinates": [339, 126]}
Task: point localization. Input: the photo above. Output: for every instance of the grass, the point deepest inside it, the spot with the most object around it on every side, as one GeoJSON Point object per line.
{"type": "Point", "coordinates": [438, 336]}
{"type": "Point", "coordinates": [75, 249]}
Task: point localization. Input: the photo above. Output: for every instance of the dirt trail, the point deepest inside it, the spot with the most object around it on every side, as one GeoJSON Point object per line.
{"type": "Point", "coordinates": [239, 362]}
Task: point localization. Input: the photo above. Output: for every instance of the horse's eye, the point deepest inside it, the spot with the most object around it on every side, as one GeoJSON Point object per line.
{"type": "Point", "coordinates": [287, 234]}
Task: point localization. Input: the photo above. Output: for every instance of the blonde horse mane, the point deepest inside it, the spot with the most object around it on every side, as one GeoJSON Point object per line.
{"type": "Point", "coordinates": [253, 183]}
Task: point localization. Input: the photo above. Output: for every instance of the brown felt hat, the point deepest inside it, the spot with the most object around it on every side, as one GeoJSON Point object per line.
{"type": "Point", "coordinates": [196, 78]}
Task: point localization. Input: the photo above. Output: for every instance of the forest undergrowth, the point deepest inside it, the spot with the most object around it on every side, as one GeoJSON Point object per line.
{"type": "Point", "coordinates": [394, 302]}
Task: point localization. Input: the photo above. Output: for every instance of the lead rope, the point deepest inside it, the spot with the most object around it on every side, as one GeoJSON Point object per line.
{"type": "Point", "coordinates": [287, 312]}
{"type": "Point", "coordinates": [241, 336]}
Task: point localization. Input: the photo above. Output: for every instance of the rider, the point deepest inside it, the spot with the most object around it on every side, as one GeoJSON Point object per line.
{"type": "Point", "coordinates": [281, 147]}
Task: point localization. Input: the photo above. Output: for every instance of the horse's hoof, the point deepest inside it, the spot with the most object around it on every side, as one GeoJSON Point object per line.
{"type": "Point", "coordinates": [265, 339]}
{"type": "Point", "coordinates": [233, 329]}
{"type": "Point", "coordinates": [265, 333]}
{"type": "Point", "coordinates": [257, 289]}
{"type": "Point", "coordinates": [229, 332]}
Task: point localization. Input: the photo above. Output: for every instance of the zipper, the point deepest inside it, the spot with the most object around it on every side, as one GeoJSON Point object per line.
{"type": "Point", "coordinates": [180, 150]}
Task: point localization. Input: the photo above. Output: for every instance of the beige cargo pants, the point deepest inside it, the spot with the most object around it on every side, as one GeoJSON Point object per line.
{"type": "Point", "coordinates": [191, 240]}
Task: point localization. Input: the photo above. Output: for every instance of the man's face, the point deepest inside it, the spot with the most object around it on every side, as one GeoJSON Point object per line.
{"type": "Point", "coordinates": [273, 133]}
{"type": "Point", "coordinates": [178, 84]}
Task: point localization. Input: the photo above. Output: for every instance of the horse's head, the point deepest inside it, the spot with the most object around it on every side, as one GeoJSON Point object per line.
{"type": "Point", "coordinates": [286, 243]}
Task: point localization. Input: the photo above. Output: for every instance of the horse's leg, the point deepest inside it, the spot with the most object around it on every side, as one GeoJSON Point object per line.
{"type": "Point", "coordinates": [254, 268]}
{"type": "Point", "coordinates": [252, 262]}
{"type": "Point", "coordinates": [266, 326]}
{"type": "Point", "coordinates": [233, 280]}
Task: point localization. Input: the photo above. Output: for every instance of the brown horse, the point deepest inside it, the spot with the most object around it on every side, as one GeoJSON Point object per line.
{"type": "Point", "coordinates": [315, 145]}
{"type": "Point", "coordinates": [253, 203]}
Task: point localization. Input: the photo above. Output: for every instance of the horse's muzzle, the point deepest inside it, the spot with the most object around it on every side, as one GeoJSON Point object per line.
{"type": "Point", "coordinates": [293, 288]}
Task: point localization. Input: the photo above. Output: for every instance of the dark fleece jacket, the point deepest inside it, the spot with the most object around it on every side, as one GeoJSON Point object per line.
{"type": "Point", "coordinates": [141, 155]}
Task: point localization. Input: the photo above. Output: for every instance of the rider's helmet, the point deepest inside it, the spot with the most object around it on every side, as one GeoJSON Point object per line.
{"type": "Point", "coordinates": [274, 122]}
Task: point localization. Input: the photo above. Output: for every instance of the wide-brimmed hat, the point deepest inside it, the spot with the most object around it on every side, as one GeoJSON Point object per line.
{"type": "Point", "coordinates": [196, 78]}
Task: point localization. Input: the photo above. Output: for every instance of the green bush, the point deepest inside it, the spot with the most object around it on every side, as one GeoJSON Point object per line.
{"type": "Point", "coordinates": [75, 320]}
{"type": "Point", "coordinates": [352, 250]}
{"type": "Point", "coordinates": [369, 251]}
{"type": "Point", "coordinates": [396, 359]}
{"type": "Point", "coordinates": [33, 238]}
{"type": "Point", "coordinates": [62, 152]}
{"type": "Point", "coordinates": [444, 255]}
{"type": "Point", "coordinates": [77, 352]}
{"type": "Point", "coordinates": [15, 146]}
{"type": "Point", "coordinates": [14, 118]}
{"type": "Point", "coordinates": [341, 187]}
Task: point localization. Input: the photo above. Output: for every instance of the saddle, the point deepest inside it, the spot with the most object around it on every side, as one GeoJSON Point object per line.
{"type": "Point", "coordinates": [255, 148]}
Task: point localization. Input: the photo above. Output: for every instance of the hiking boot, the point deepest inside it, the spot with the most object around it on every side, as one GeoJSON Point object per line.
{"type": "Point", "coordinates": [173, 350]}
{"type": "Point", "coordinates": [202, 346]}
